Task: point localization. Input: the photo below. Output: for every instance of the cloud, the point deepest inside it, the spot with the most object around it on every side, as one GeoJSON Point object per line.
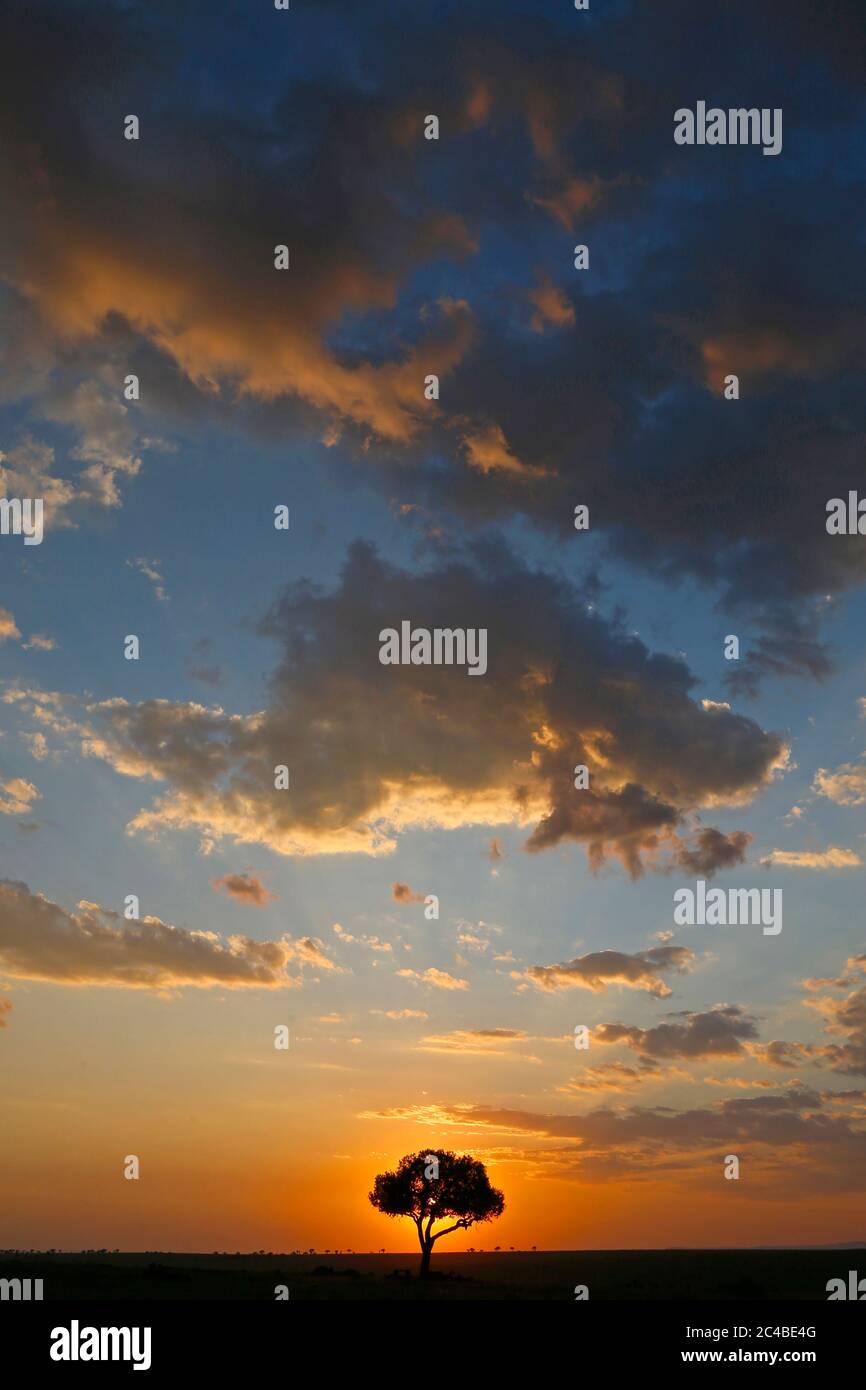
{"type": "Point", "coordinates": [38, 745]}
{"type": "Point", "coordinates": [244, 888]}
{"type": "Point", "coordinates": [846, 786]}
{"type": "Point", "coordinates": [402, 893]}
{"type": "Point", "coordinates": [476, 936]}
{"type": "Point", "coordinates": [606, 1144]}
{"type": "Point", "coordinates": [718, 1032]}
{"type": "Point", "coordinates": [832, 858]}
{"type": "Point", "coordinates": [711, 851]}
{"type": "Point", "coordinates": [614, 1077]}
{"type": "Point", "coordinates": [8, 628]}
{"type": "Point", "coordinates": [400, 1013]}
{"type": "Point", "coordinates": [574, 197]}
{"type": "Point", "coordinates": [39, 940]}
{"type": "Point", "coordinates": [27, 471]}
{"type": "Point", "coordinates": [17, 796]}
{"type": "Point", "coordinates": [552, 306]}
{"type": "Point", "coordinates": [9, 632]}
{"type": "Point", "coordinates": [741, 1083]}
{"type": "Point", "coordinates": [564, 686]}
{"type": "Point", "coordinates": [487, 450]}
{"type": "Point", "coordinates": [372, 943]}
{"type": "Point", "coordinates": [150, 569]}
{"type": "Point", "coordinates": [439, 979]}
{"type": "Point", "coordinates": [309, 950]}
{"type": "Point", "coordinates": [230, 323]}
{"type": "Point", "coordinates": [624, 413]}
{"type": "Point", "coordinates": [5, 1008]}
{"type": "Point", "coordinates": [106, 449]}
{"type": "Point", "coordinates": [599, 969]}
{"type": "Point", "coordinates": [478, 1042]}
{"type": "Point", "coordinates": [785, 1055]}
{"type": "Point", "coordinates": [845, 1017]}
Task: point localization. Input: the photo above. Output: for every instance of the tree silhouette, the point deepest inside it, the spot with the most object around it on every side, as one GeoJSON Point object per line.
{"type": "Point", "coordinates": [437, 1185]}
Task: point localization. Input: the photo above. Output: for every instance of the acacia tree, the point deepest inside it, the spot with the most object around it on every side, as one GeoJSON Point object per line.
{"type": "Point", "coordinates": [437, 1186]}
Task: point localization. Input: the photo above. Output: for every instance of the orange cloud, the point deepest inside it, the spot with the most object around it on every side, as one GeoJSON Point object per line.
{"type": "Point", "coordinates": [832, 858]}
{"type": "Point", "coordinates": [8, 627]}
{"type": "Point", "coordinates": [796, 349]}
{"type": "Point", "coordinates": [575, 197]}
{"type": "Point", "coordinates": [487, 450]}
{"type": "Point", "coordinates": [478, 1042]}
{"type": "Point", "coordinates": [439, 979]}
{"type": "Point", "coordinates": [17, 796]}
{"type": "Point", "coordinates": [402, 893]}
{"type": "Point", "coordinates": [244, 888]}
{"type": "Point", "coordinates": [552, 306]}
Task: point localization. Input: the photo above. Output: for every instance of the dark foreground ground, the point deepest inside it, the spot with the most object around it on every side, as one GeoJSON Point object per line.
{"type": "Point", "coordinates": [616, 1275]}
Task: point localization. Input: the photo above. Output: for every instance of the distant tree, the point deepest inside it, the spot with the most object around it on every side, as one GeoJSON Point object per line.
{"type": "Point", "coordinates": [437, 1185]}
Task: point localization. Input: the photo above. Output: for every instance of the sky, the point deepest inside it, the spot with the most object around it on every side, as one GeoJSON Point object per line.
{"type": "Point", "coordinates": [432, 907]}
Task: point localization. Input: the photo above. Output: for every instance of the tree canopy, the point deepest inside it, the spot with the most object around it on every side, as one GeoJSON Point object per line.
{"type": "Point", "coordinates": [437, 1185]}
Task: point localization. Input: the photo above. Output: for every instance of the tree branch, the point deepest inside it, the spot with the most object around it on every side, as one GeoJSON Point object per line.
{"type": "Point", "coordinates": [459, 1225]}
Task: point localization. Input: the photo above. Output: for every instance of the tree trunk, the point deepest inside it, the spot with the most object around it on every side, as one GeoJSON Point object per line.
{"type": "Point", "coordinates": [426, 1252]}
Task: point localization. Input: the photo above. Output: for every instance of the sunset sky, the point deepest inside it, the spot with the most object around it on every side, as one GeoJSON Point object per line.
{"type": "Point", "coordinates": [260, 647]}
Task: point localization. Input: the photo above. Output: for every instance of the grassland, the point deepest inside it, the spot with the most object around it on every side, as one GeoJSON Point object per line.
{"type": "Point", "coordinates": [610, 1275]}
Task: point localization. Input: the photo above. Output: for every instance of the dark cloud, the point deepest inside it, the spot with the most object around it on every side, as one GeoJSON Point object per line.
{"type": "Point", "coordinates": [244, 888]}
{"type": "Point", "coordinates": [402, 893]}
{"type": "Point", "coordinates": [39, 940]}
{"type": "Point", "coordinates": [612, 1077]}
{"type": "Point", "coordinates": [598, 969]}
{"type": "Point", "coordinates": [719, 1032]}
{"type": "Point", "coordinates": [789, 1118]}
{"type": "Point", "coordinates": [788, 1138]}
{"type": "Point", "coordinates": [712, 851]}
{"type": "Point", "coordinates": [787, 1055]}
{"type": "Point", "coordinates": [373, 749]}
{"type": "Point", "coordinates": [704, 262]}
